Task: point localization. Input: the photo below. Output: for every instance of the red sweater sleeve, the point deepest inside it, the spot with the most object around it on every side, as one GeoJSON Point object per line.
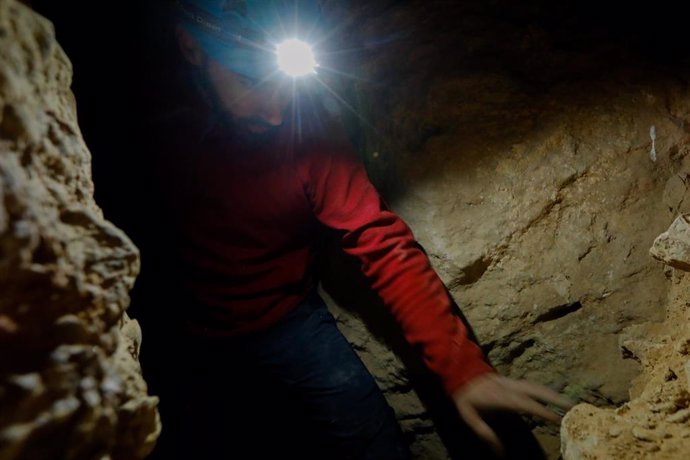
{"type": "Point", "coordinates": [343, 198]}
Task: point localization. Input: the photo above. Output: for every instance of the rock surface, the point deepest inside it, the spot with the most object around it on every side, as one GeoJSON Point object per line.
{"type": "Point", "coordinates": [521, 156]}
{"type": "Point", "coordinates": [654, 424]}
{"type": "Point", "coordinates": [70, 382]}
{"type": "Point", "coordinates": [673, 246]}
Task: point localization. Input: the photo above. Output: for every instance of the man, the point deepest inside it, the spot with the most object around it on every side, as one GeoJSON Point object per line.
{"type": "Point", "coordinates": [244, 176]}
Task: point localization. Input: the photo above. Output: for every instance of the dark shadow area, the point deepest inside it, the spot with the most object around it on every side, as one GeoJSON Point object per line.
{"type": "Point", "coordinates": [536, 46]}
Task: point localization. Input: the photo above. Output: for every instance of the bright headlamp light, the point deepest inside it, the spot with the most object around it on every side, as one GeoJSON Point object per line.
{"type": "Point", "coordinates": [296, 58]}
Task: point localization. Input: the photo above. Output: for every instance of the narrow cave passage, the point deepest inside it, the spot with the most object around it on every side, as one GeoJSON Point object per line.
{"type": "Point", "coordinates": [502, 165]}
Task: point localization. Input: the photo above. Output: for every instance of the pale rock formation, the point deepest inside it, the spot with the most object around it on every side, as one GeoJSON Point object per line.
{"type": "Point", "coordinates": [673, 246]}
{"type": "Point", "coordinates": [655, 423]}
{"type": "Point", "coordinates": [70, 382]}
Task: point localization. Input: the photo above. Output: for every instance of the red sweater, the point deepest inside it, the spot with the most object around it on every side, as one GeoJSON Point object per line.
{"type": "Point", "coordinates": [244, 239]}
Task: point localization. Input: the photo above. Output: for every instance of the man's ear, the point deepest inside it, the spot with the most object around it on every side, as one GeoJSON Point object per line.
{"type": "Point", "coordinates": [189, 46]}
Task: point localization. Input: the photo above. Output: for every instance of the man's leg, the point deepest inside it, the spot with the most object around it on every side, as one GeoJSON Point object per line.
{"type": "Point", "coordinates": [315, 363]}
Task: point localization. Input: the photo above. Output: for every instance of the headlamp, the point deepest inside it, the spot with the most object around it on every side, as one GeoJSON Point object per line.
{"type": "Point", "coordinates": [296, 58]}
{"type": "Point", "coordinates": [238, 34]}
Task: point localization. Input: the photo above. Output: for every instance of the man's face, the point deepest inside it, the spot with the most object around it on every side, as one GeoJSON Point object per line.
{"type": "Point", "coordinates": [256, 108]}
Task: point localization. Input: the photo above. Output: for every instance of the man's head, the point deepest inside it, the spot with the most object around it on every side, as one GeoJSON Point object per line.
{"type": "Point", "coordinates": [233, 44]}
{"type": "Point", "coordinates": [253, 106]}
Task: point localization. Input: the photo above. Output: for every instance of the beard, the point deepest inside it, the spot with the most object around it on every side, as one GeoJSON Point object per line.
{"type": "Point", "coordinates": [251, 132]}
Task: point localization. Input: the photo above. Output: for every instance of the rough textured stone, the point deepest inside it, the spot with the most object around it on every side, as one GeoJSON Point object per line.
{"type": "Point", "coordinates": [70, 383]}
{"type": "Point", "coordinates": [673, 246]}
{"type": "Point", "coordinates": [653, 424]}
{"type": "Point", "coordinates": [524, 169]}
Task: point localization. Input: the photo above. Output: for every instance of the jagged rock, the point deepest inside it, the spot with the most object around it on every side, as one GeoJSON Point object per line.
{"type": "Point", "coordinates": [673, 246]}
{"type": "Point", "coordinates": [70, 383]}
{"type": "Point", "coordinates": [654, 423]}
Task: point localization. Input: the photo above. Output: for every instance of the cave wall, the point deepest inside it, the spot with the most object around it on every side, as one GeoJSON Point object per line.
{"type": "Point", "coordinates": [70, 382]}
{"type": "Point", "coordinates": [653, 424]}
{"type": "Point", "coordinates": [514, 139]}
{"type": "Point", "coordinates": [536, 156]}
{"type": "Point", "coordinates": [542, 235]}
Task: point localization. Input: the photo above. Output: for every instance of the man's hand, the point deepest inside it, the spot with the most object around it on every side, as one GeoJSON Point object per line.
{"type": "Point", "coordinates": [493, 392]}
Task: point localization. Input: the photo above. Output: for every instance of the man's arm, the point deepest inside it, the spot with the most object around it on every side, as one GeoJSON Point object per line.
{"type": "Point", "coordinates": [343, 198]}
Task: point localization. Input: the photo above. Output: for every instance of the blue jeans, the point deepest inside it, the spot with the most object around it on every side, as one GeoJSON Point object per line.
{"type": "Point", "coordinates": [295, 390]}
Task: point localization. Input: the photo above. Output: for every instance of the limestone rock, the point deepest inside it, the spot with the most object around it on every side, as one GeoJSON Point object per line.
{"type": "Point", "coordinates": [532, 190]}
{"type": "Point", "coordinates": [70, 383]}
{"type": "Point", "coordinates": [673, 246]}
{"type": "Point", "coordinates": [653, 424]}
{"type": "Point", "coordinates": [524, 171]}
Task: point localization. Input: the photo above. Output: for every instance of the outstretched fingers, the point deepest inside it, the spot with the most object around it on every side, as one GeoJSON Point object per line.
{"type": "Point", "coordinates": [472, 418]}
{"type": "Point", "coordinates": [527, 405]}
{"type": "Point", "coordinates": [540, 393]}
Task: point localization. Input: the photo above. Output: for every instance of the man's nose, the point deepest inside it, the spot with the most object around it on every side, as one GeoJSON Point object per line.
{"type": "Point", "coordinates": [276, 100]}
